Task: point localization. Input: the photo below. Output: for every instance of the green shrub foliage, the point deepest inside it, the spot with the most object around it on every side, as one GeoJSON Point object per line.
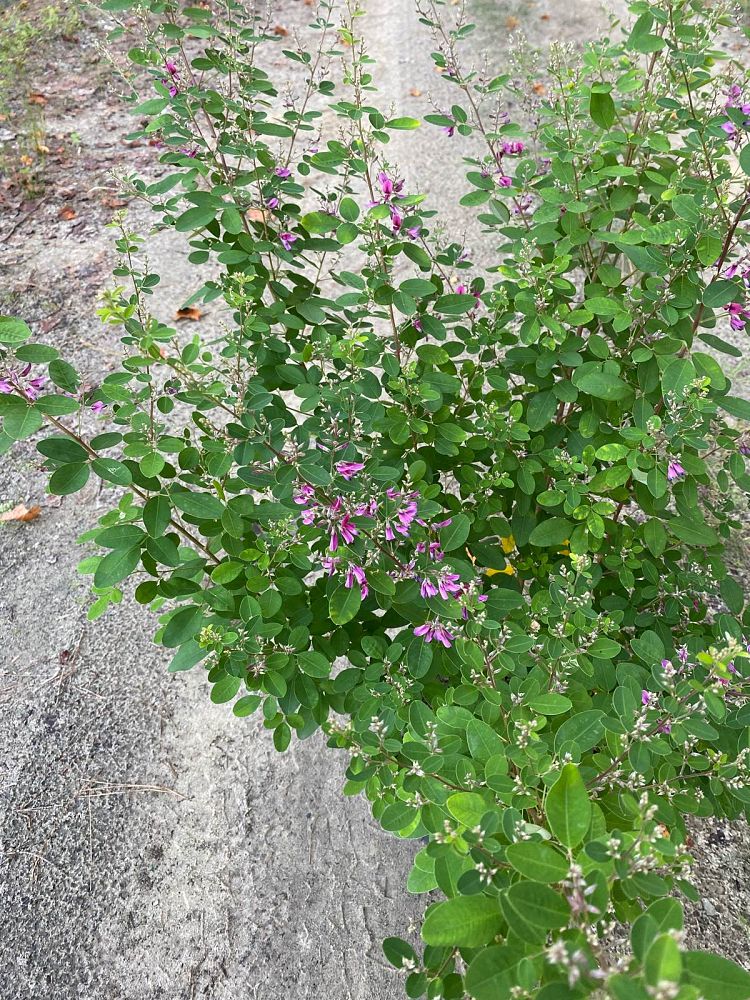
{"type": "Point", "coordinates": [469, 517]}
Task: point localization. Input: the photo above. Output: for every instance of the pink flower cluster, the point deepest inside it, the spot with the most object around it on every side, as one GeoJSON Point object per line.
{"type": "Point", "coordinates": [15, 381]}
{"type": "Point", "coordinates": [734, 100]}
{"type": "Point", "coordinates": [174, 77]}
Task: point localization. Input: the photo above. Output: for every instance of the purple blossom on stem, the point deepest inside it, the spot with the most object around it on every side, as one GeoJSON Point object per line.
{"type": "Point", "coordinates": [514, 148]}
{"type": "Point", "coordinates": [449, 130]}
{"type": "Point", "coordinates": [349, 469]}
{"type": "Point", "coordinates": [504, 181]}
{"type": "Point", "coordinates": [287, 239]}
{"type": "Point", "coordinates": [674, 471]}
{"type": "Point", "coordinates": [283, 172]}
{"type": "Point", "coordinates": [738, 315]}
{"type": "Point", "coordinates": [272, 202]}
{"type": "Point", "coordinates": [397, 220]}
{"type": "Point", "coordinates": [730, 128]}
{"type": "Point", "coordinates": [14, 382]}
{"type": "Point", "coordinates": [434, 630]}
{"type": "Point", "coordinates": [389, 188]}
{"type": "Point", "coordinates": [98, 407]}
{"type": "Point", "coordinates": [329, 563]}
{"type": "Point", "coordinates": [356, 574]}
{"type": "Point", "coordinates": [414, 232]}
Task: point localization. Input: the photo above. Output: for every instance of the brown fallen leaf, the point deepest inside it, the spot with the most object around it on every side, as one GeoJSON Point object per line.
{"type": "Point", "coordinates": [544, 17]}
{"type": "Point", "coordinates": [539, 88]}
{"type": "Point", "coordinates": [109, 201]}
{"type": "Point", "coordinates": [511, 22]}
{"type": "Point", "coordinates": [415, 92]}
{"type": "Point", "coordinates": [281, 31]}
{"type": "Point", "coordinates": [189, 312]}
{"type": "Point", "coordinates": [66, 213]}
{"type": "Point", "coordinates": [21, 513]}
{"type": "Point", "coordinates": [37, 98]}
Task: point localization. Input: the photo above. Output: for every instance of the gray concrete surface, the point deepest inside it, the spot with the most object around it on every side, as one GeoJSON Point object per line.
{"type": "Point", "coordinates": [152, 845]}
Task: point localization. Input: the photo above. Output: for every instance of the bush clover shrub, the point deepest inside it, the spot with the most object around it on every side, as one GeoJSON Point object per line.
{"type": "Point", "coordinates": [469, 517]}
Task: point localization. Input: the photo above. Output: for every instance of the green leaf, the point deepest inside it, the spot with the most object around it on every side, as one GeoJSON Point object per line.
{"type": "Point", "coordinates": [64, 375]}
{"type": "Point", "coordinates": [62, 449]}
{"type": "Point", "coordinates": [182, 626]}
{"type": "Point", "coordinates": [403, 123]}
{"type": "Point", "coordinates": [195, 218]}
{"type": "Point", "coordinates": [493, 973]}
{"type": "Point", "coordinates": [455, 534]}
{"type": "Point", "coordinates": [716, 977]}
{"type": "Point", "coordinates": [22, 421]}
{"type": "Point", "coordinates": [603, 385]}
{"type": "Point", "coordinates": [536, 905]}
{"type": "Point", "coordinates": [117, 565]}
{"type": "Point", "coordinates": [467, 807]}
{"type": "Point", "coordinates": [69, 479]}
{"type": "Point", "coordinates": [200, 505]}
{"type": "Point", "coordinates": [604, 648]}
{"type": "Point", "coordinates": [313, 664]}
{"type": "Point", "coordinates": [602, 109]}
{"type": "Point", "coordinates": [648, 647]}
{"type": "Point", "coordinates": [156, 515]}
{"type": "Point", "coordinates": [693, 532]}
{"type": "Point", "coordinates": [319, 222]}
{"type": "Point", "coordinates": [745, 159]}
{"type": "Point", "coordinates": [112, 471]}
{"type": "Point", "coordinates": [585, 729]}
{"type": "Point", "coordinates": [121, 536]}
{"type": "Point", "coordinates": [344, 604]}
{"type": "Point", "coordinates": [736, 407]}
{"type": "Point", "coordinates": [464, 922]}
{"type": "Point", "coordinates": [720, 293]}
{"type": "Point", "coordinates": [678, 374]}
{"type": "Point", "coordinates": [567, 807]}
{"type": "Point", "coordinates": [538, 862]}
{"type": "Point", "coordinates": [483, 741]}
{"type": "Point", "coordinates": [550, 703]}
{"type": "Point", "coordinates": [349, 209]}
{"type": "Point", "coordinates": [13, 331]}
{"type": "Point", "coordinates": [553, 531]}
{"type": "Point", "coordinates": [187, 656]}
{"type": "Point", "coordinates": [663, 962]}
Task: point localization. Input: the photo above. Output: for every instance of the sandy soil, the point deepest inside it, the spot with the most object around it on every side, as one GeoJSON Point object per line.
{"type": "Point", "coordinates": [152, 845]}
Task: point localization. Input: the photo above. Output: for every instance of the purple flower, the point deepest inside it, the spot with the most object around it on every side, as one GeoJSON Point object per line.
{"type": "Point", "coordinates": [349, 469]}
{"type": "Point", "coordinates": [417, 324]}
{"type": "Point", "coordinates": [523, 204]}
{"type": "Point", "coordinates": [414, 232]}
{"type": "Point", "coordinates": [427, 588]}
{"type": "Point", "coordinates": [272, 203]}
{"type": "Point", "coordinates": [283, 172]}
{"type": "Point", "coordinates": [433, 630]}
{"type": "Point", "coordinates": [449, 586]}
{"type": "Point", "coordinates": [674, 471]}
{"type": "Point", "coordinates": [449, 130]}
{"type": "Point", "coordinates": [171, 67]}
{"type": "Point", "coordinates": [738, 315]}
{"type": "Point", "coordinates": [734, 93]}
{"type": "Point", "coordinates": [389, 188]}
{"type": "Point", "coordinates": [682, 654]}
{"type": "Point", "coordinates": [305, 495]}
{"type": "Point", "coordinates": [512, 148]}
{"type": "Point", "coordinates": [730, 128]}
{"type": "Point", "coordinates": [330, 563]}
{"type": "Point", "coordinates": [396, 219]}
{"type": "Point", "coordinates": [356, 574]}
{"type": "Point", "coordinates": [505, 181]}
{"type": "Point", "coordinates": [646, 697]}
{"type": "Point", "coordinates": [98, 406]}
{"type": "Point", "coordinates": [287, 239]}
